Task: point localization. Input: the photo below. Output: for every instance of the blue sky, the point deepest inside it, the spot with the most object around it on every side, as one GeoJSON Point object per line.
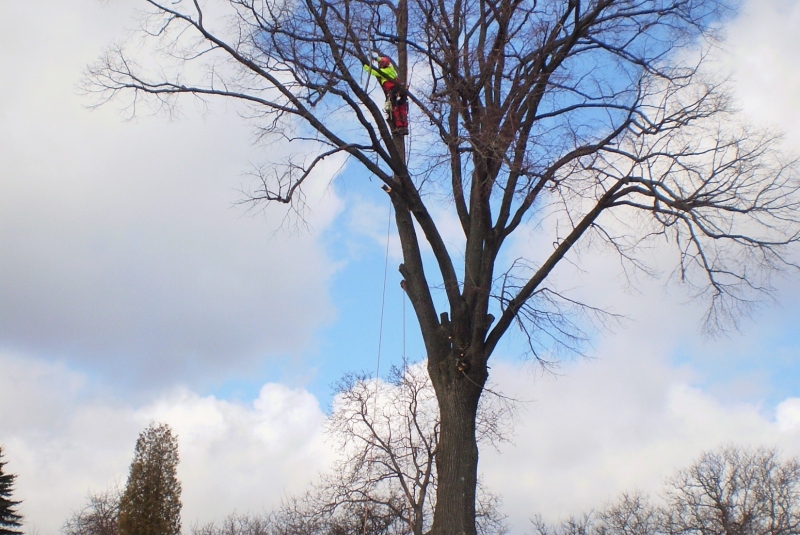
{"type": "Point", "coordinates": [132, 288]}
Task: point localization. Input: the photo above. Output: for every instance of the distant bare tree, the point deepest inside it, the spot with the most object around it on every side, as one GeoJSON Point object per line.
{"type": "Point", "coordinates": [732, 491]}
{"type": "Point", "coordinates": [238, 524]}
{"type": "Point", "coordinates": [574, 525]}
{"type": "Point", "coordinates": [736, 492]}
{"type": "Point", "coordinates": [631, 514]}
{"type": "Point", "coordinates": [593, 120]}
{"type": "Point", "coordinates": [100, 516]}
{"type": "Point", "coordinates": [389, 434]}
{"type": "Point", "coordinates": [298, 517]}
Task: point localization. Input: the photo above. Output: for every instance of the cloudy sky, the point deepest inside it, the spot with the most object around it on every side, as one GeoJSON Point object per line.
{"type": "Point", "coordinates": [133, 288]}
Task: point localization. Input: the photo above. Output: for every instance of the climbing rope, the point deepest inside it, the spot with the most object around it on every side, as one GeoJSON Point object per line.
{"type": "Point", "coordinates": [383, 295]}
{"type": "Point", "coordinates": [380, 346]}
{"type": "Point", "coordinates": [403, 288]}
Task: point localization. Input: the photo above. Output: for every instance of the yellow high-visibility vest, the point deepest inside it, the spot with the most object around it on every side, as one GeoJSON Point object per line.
{"type": "Point", "coordinates": [384, 74]}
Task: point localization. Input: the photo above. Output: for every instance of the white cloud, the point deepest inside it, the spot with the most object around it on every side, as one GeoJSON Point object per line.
{"type": "Point", "coordinates": [787, 415]}
{"type": "Point", "coordinates": [121, 249]}
{"type": "Point", "coordinates": [762, 45]}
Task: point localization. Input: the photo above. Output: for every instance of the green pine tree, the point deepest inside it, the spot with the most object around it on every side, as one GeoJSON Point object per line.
{"type": "Point", "coordinates": [151, 502]}
{"type": "Point", "coordinates": [9, 518]}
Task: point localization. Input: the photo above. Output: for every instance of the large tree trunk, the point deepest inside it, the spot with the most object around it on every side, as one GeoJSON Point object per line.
{"type": "Point", "coordinates": [457, 455]}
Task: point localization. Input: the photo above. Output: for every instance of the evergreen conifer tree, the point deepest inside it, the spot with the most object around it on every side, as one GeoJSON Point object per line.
{"type": "Point", "coordinates": [9, 518]}
{"type": "Point", "coordinates": [151, 502]}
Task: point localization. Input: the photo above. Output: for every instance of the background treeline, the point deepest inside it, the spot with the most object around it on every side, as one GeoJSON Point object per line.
{"type": "Point", "coordinates": [384, 482]}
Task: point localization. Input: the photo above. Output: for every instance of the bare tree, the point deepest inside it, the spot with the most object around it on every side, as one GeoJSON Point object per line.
{"type": "Point", "coordinates": [732, 491]}
{"type": "Point", "coordinates": [238, 524]}
{"type": "Point", "coordinates": [736, 492]}
{"type": "Point", "coordinates": [100, 516]}
{"type": "Point", "coordinates": [388, 435]}
{"type": "Point", "coordinates": [297, 517]}
{"type": "Point", "coordinates": [630, 514]}
{"type": "Point", "coordinates": [590, 118]}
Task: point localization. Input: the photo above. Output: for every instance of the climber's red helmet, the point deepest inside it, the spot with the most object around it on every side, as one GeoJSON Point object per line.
{"type": "Point", "coordinates": [384, 62]}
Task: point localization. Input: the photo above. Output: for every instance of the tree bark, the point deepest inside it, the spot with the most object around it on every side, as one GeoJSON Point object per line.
{"type": "Point", "coordinates": [458, 392]}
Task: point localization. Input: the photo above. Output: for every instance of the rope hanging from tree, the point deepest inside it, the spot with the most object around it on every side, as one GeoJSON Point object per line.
{"type": "Point", "coordinates": [380, 346]}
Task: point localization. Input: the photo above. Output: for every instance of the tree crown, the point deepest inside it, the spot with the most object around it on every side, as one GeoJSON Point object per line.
{"type": "Point", "coordinates": [150, 504]}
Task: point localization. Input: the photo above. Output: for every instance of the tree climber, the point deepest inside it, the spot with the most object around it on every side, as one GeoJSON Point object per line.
{"type": "Point", "coordinates": [396, 96]}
